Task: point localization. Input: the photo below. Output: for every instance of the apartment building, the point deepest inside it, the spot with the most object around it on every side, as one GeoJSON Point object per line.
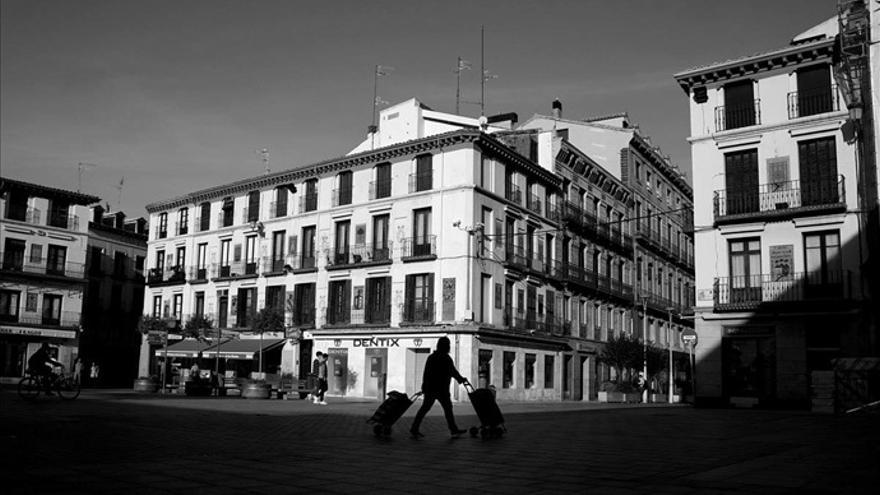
{"type": "Point", "coordinates": [43, 234]}
{"type": "Point", "coordinates": [780, 288]}
{"type": "Point", "coordinates": [114, 297]}
{"type": "Point", "coordinates": [631, 210]}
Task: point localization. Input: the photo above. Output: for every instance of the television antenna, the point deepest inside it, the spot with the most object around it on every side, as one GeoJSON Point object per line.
{"type": "Point", "coordinates": [79, 175]}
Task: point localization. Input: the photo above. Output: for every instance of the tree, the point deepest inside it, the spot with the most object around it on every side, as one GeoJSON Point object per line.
{"type": "Point", "coordinates": [268, 319]}
{"type": "Point", "coordinates": [197, 327]}
{"type": "Point", "coordinates": [622, 352]}
{"type": "Point", "coordinates": [150, 324]}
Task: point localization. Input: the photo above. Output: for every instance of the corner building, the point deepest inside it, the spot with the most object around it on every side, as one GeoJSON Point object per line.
{"type": "Point", "coordinates": [780, 286]}
{"type": "Point", "coordinates": [436, 225]}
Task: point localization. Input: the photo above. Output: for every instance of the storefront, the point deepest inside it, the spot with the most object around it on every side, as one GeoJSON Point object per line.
{"type": "Point", "coordinates": [18, 343]}
{"type": "Point", "coordinates": [242, 357]}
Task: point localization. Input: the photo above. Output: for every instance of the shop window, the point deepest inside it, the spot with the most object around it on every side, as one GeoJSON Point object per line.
{"type": "Point", "coordinates": [549, 371]}
{"type": "Point", "coordinates": [508, 368]}
{"type": "Point", "coordinates": [530, 371]}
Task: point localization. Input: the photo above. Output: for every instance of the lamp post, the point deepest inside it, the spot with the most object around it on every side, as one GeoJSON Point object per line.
{"type": "Point", "coordinates": [217, 358]}
{"type": "Point", "coordinates": [645, 348]}
{"type": "Point", "coordinates": [169, 324]}
{"type": "Point", "coordinates": [669, 345]}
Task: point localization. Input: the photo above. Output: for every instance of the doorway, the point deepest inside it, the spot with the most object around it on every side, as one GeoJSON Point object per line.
{"type": "Point", "coordinates": [338, 371]}
{"type": "Point", "coordinates": [749, 365]}
{"type": "Point", "coordinates": [415, 368]}
{"type": "Point", "coordinates": [375, 372]}
{"type": "Point", "coordinates": [566, 377]}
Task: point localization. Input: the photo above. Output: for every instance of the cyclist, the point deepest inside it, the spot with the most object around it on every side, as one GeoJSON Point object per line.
{"type": "Point", "coordinates": [41, 364]}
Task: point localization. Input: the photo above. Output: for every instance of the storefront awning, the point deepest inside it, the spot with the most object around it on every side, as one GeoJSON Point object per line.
{"type": "Point", "coordinates": [186, 348]}
{"type": "Point", "coordinates": [243, 348]}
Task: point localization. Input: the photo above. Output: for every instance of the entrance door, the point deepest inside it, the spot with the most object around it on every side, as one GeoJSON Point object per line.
{"type": "Point", "coordinates": [338, 371]}
{"type": "Point", "coordinates": [305, 357]}
{"type": "Point", "coordinates": [749, 365]}
{"type": "Point", "coordinates": [415, 368]}
{"type": "Point", "coordinates": [566, 377]}
{"type": "Point", "coordinates": [375, 372]}
{"type": "Point", "coordinates": [577, 377]}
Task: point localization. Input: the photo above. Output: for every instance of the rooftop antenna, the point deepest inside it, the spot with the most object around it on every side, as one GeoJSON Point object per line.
{"type": "Point", "coordinates": [119, 195]}
{"type": "Point", "coordinates": [79, 176]}
{"type": "Point", "coordinates": [380, 70]}
{"type": "Point", "coordinates": [462, 65]}
{"type": "Point", "coordinates": [486, 75]}
{"type": "Point", "coordinates": [264, 154]}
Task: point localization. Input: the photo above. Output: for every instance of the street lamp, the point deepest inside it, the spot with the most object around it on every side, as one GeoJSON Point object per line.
{"type": "Point", "coordinates": [169, 324]}
{"type": "Point", "coordinates": [645, 348]}
{"type": "Point", "coordinates": [217, 359]}
{"type": "Point", "coordinates": [669, 346]}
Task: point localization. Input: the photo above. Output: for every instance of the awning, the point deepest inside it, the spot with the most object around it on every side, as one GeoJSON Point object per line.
{"type": "Point", "coordinates": [243, 348]}
{"type": "Point", "coordinates": [186, 348]}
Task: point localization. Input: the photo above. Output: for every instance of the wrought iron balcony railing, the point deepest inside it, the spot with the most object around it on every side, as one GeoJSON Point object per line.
{"type": "Point", "coordinates": [380, 189]}
{"type": "Point", "coordinates": [418, 312]}
{"type": "Point", "coordinates": [423, 247]}
{"type": "Point", "coordinates": [750, 291]}
{"type": "Point", "coordinates": [812, 102]}
{"type": "Point", "coordinates": [421, 181]}
{"type": "Point", "coordinates": [342, 196]}
{"type": "Point", "coordinates": [233, 269]}
{"type": "Point", "coordinates": [304, 316]}
{"type": "Point", "coordinates": [780, 197]}
{"type": "Point", "coordinates": [225, 218]}
{"type": "Point", "coordinates": [738, 115]}
{"type": "Point", "coordinates": [278, 209]}
{"type": "Point", "coordinates": [359, 254]}
{"type": "Point", "coordinates": [534, 203]}
{"type": "Point", "coordinates": [17, 261]}
{"type": "Point", "coordinates": [63, 319]}
{"type": "Point", "coordinates": [308, 202]}
{"type": "Point", "coordinates": [513, 193]}
{"type": "Point", "coordinates": [198, 273]}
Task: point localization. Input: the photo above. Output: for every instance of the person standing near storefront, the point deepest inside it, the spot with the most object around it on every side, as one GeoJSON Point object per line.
{"type": "Point", "coordinates": [439, 369]}
{"type": "Point", "coordinates": [322, 380]}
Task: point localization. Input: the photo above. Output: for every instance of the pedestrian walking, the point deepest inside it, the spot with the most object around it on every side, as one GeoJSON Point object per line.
{"type": "Point", "coordinates": [95, 373]}
{"type": "Point", "coordinates": [439, 369]}
{"type": "Point", "coordinates": [77, 369]}
{"type": "Point", "coordinates": [322, 380]}
{"type": "Point", "coordinates": [313, 377]}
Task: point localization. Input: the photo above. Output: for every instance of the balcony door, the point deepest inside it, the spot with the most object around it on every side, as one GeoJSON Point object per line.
{"type": "Point", "coordinates": [422, 232]}
{"type": "Point", "coordinates": [339, 308]}
{"type": "Point", "coordinates": [13, 254]}
{"type": "Point", "coordinates": [52, 309]}
{"type": "Point", "coordinates": [745, 270]}
{"type": "Point", "coordinates": [817, 160]}
{"type": "Point", "coordinates": [278, 251]}
{"type": "Point", "coordinates": [342, 250]}
{"type": "Point", "coordinates": [741, 181]}
{"type": "Point", "coordinates": [378, 300]}
{"type": "Point", "coordinates": [380, 238]}
{"type": "Point", "coordinates": [814, 90]}
{"type": "Point", "coordinates": [739, 104]}
{"type": "Point", "coordinates": [824, 277]}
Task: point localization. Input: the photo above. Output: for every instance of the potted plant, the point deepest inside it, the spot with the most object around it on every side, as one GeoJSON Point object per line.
{"type": "Point", "coordinates": [154, 328]}
{"type": "Point", "coordinates": [623, 353]}
{"type": "Point", "coordinates": [268, 319]}
{"type": "Point", "coordinates": [197, 327]}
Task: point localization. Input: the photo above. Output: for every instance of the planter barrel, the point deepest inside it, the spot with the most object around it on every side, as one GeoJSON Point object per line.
{"type": "Point", "coordinates": [256, 390]}
{"type": "Point", "coordinates": [146, 386]}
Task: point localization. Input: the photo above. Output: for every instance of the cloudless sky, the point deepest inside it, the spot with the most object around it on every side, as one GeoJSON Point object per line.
{"type": "Point", "coordinates": [175, 96]}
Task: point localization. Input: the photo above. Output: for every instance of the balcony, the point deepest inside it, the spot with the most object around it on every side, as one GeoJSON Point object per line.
{"type": "Point", "coordinates": [250, 215]}
{"type": "Point", "coordinates": [339, 316]}
{"type": "Point", "coordinates": [421, 181]}
{"type": "Point", "coordinates": [369, 317]}
{"type": "Point", "coordinates": [274, 265]}
{"type": "Point", "coordinates": [18, 262]}
{"type": "Point", "coordinates": [278, 209]}
{"type": "Point", "coordinates": [64, 319]}
{"type": "Point", "coordinates": [813, 102]}
{"type": "Point", "coordinates": [513, 193]}
{"type": "Point", "coordinates": [170, 276]}
{"type": "Point", "coordinates": [302, 263]}
{"type": "Point", "coordinates": [380, 189]}
{"type": "Point", "coordinates": [534, 204]}
{"type": "Point", "coordinates": [235, 269]}
{"type": "Point", "coordinates": [182, 228]}
{"type": "Point", "coordinates": [419, 248]}
{"type": "Point", "coordinates": [418, 313]}
{"type": "Point", "coordinates": [342, 196]}
{"type": "Point", "coordinates": [308, 202]}
{"type": "Point", "coordinates": [225, 218]}
{"type": "Point", "coordinates": [203, 224]}
{"type": "Point", "coordinates": [750, 292]}
{"type": "Point", "coordinates": [304, 317]}
{"type": "Point", "coordinates": [738, 115]}
{"type": "Point", "coordinates": [780, 199]}
{"type": "Point", "coordinates": [515, 257]}
{"type": "Point", "coordinates": [198, 274]}
{"type": "Point", "coordinates": [358, 255]}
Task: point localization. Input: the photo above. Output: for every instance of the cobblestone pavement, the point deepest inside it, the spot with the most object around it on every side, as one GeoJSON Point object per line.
{"type": "Point", "coordinates": [118, 442]}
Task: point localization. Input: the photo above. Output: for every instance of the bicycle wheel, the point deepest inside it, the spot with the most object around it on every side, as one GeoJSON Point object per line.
{"type": "Point", "coordinates": [28, 388]}
{"type": "Point", "coordinates": [68, 388]}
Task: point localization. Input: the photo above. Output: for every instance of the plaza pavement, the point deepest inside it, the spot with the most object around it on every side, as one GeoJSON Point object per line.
{"type": "Point", "coordinates": [118, 442]}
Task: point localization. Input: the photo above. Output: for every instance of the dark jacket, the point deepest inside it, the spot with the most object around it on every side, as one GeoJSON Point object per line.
{"type": "Point", "coordinates": [439, 369]}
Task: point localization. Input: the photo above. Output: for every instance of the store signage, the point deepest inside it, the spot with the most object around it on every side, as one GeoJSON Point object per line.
{"type": "Point", "coordinates": [38, 332]}
{"type": "Point", "coordinates": [374, 342]}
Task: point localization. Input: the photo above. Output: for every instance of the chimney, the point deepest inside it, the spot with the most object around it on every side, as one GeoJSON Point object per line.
{"type": "Point", "coordinates": [97, 213]}
{"type": "Point", "coordinates": [557, 109]}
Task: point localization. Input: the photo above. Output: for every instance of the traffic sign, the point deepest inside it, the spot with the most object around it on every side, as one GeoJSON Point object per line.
{"type": "Point", "coordinates": [689, 337]}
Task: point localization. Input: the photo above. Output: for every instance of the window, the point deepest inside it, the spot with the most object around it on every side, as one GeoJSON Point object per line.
{"type": "Point", "coordinates": [36, 253]}
{"type": "Point", "coordinates": [823, 264]}
{"type": "Point", "coordinates": [17, 206]}
{"type": "Point", "coordinates": [205, 217]}
{"type": "Point", "coordinates": [419, 298]}
{"type": "Point", "coordinates": [342, 247]}
{"type": "Point", "coordinates": [815, 94]}
{"type": "Point", "coordinates": [277, 251]}
{"type": "Point", "coordinates": [9, 303]}
{"type": "Point", "coordinates": [58, 214]}
{"type": "Point", "coordinates": [486, 166]}
{"type": "Point", "coordinates": [339, 306]}
{"type": "Point", "coordinates": [422, 238]}
{"type": "Point", "coordinates": [486, 298]}
{"type": "Point", "coordinates": [818, 170]}
{"type": "Point", "coordinates": [486, 220]}
{"type": "Point", "coordinates": [157, 306]}
{"type": "Point", "coordinates": [381, 250]}
{"type": "Point", "coordinates": [382, 186]}
{"type": "Point", "coordinates": [304, 305]}
{"type": "Point", "coordinates": [228, 211]}
{"type": "Point", "coordinates": [163, 225]}
{"type": "Point", "coordinates": [253, 207]}
{"type": "Point", "coordinates": [13, 254]}
{"type": "Point", "coordinates": [280, 201]}
{"type": "Point", "coordinates": [739, 106]}
{"type": "Point", "coordinates": [308, 247]}
{"type": "Point", "coordinates": [423, 178]}
{"type": "Point", "coordinates": [378, 308]}
{"type": "Point", "coordinates": [51, 309]}
{"type": "Point", "coordinates": [250, 255]}
{"type": "Point", "coordinates": [530, 371]}
{"type": "Point", "coordinates": [183, 221]}
{"type": "Point", "coordinates": [56, 258]}
{"type": "Point", "coordinates": [201, 261]}
{"type": "Point", "coordinates": [549, 371]}
{"type": "Point", "coordinates": [199, 304]}
{"type": "Point", "coordinates": [225, 246]}
{"type": "Point", "coordinates": [741, 181]}
{"type": "Point", "coordinates": [508, 366]}
{"type": "Point", "coordinates": [180, 258]}
{"type": "Point", "coordinates": [247, 307]}
{"type": "Point", "coordinates": [310, 198]}
{"type": "Point", "coordinates": [745, 270]}
{"type": "Point", "coordinates": [275, 297]}
{"type": "Point", "coordinates": [343, 189]}
{"type": "Point", "coordinates": [177, 307]}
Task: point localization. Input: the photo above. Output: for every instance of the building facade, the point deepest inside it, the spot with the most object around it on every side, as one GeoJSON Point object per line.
{"type": "Point", "coordinates": [114, 297]}
{"type": "Point", "coordinates": [44, 233]}
{"type": "Point", "coordinates": [780, 285]}
{"type": "Point", "coordinates": [437, 225]}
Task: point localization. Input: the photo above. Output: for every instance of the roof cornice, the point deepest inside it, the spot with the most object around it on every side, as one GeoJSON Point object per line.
{"type": "Point", "coordinates": [39, 190]}
{"type": "Point", "coordinates": [662, 165]}
{"type": "Point", "coordinates": [762, 62]}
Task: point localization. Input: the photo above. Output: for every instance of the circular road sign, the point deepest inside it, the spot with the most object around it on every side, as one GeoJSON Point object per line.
{"type": "Point", "coordinates": [689, 336]}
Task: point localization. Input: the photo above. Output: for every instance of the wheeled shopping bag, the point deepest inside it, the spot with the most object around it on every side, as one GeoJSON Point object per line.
{"type": "Point", "coordinates": [491, 419]}
{"type": "Point", "coordinates": [390, 411]}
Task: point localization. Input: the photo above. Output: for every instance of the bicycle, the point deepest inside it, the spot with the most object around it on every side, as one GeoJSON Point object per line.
{"type": "Point", "coordinates": [31, 385]}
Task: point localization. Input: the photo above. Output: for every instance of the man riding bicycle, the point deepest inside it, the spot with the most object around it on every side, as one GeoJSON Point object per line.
{"type": "Point", "coordinates": [41, 363]}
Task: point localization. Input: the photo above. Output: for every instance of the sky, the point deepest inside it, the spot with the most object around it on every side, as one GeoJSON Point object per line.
{"type": "Point", "coordinates": [169, 97]}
